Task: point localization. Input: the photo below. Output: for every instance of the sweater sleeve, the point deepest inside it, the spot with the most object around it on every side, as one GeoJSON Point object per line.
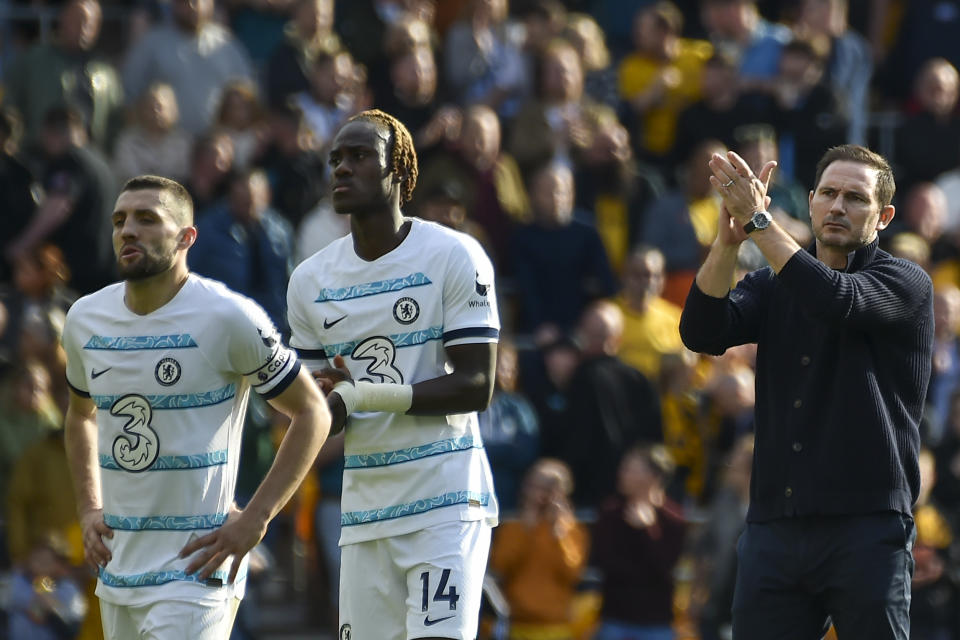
{"type": "Point", "coordinates": [888, 291]}
{"type": "Point", "coordinates": [712, 325]}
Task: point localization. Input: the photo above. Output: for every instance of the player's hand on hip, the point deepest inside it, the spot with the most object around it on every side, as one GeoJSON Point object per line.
{"type": "Point", "coordinates": [94, 529]}
{"type": "Point", "coordinates": [330, 376]}
{"type": "Point", "coordinates": [240, 533]}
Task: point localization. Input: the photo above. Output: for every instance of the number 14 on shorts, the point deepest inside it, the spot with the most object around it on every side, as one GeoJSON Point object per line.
{"type": "Point", "coordinates": [444, 592]}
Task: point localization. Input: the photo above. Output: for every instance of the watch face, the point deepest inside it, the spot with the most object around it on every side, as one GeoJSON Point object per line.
{"type": "Point", "coordinates": [760, 220]}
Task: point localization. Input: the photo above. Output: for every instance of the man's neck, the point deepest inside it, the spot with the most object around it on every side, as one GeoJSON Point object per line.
{"type": "Point", "coordinates": [638, 303]}
{"type": "Point", "coordinates": [147, 295]}
{"type": "Point", "coordinates": [839, 257]}
{"type": "Point", "coordinates": [378, 233]}
{"type": "Point", "coordinates": [833, 257]}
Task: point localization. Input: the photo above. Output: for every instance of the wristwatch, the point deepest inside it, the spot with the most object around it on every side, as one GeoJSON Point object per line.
{"type": "Point", "coordinates": [760, 221]}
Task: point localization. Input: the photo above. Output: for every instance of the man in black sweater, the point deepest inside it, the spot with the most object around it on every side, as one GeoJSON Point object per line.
{"type": "Point", "coordinates": [844, 334]}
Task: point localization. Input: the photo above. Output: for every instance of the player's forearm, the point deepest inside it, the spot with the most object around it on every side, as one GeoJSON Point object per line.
{"type": "Point", "coordinates": [457, 392]}
{"type": "Point", "coordinates": [776, 245]}
{"type": "Point", "coordinates": [307, 432]}
{"type": "Point", "coordinates": [716, 274]}
{"type": "Point", "coordinates": [80, 434]}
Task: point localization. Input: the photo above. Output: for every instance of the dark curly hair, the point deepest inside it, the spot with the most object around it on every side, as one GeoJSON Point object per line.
{"type": "Point", "coordinates": [403, 155]}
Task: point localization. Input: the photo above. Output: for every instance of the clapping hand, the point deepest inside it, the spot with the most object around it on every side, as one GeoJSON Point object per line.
{"type": "Point", "coordinates": [743, 192]}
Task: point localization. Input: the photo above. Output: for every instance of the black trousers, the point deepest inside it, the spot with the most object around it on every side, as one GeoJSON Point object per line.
{"type": "Point", "coordinates": [795, 575]}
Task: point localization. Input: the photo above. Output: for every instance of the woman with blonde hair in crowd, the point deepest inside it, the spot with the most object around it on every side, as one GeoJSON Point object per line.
{"type": "Point", "coordinates": [599, 75]}
{"type": "Point", "coordinates": [241, 116]}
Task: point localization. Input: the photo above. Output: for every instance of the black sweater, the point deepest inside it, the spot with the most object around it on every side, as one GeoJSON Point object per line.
{"type": "Point", "coordinates": [843, 361]}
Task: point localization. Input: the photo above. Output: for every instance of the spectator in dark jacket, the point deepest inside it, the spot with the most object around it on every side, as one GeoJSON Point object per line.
{"type": "Point", "coordinates": [637, 542]}
{"type": "Point", "coordinates": [611, 407]}
{"type": "Point", "coordinates": [559, 262]}
{"type": "Point", "coordinates": [247, 245]}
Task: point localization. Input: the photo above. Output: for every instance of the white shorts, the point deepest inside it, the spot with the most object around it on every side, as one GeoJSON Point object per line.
{"type": "Point", "coordinates": [421, 585]}
{"type": "Point", "coordinates": [169, 620]}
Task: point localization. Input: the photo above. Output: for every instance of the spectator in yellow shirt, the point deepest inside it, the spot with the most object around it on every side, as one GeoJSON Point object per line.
{"type": "Point", "coordinates": [651, 325]}
{"type": "Point", "coordinates": [660, 78]}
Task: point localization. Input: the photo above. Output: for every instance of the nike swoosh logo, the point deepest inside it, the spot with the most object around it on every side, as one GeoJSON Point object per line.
{"type": "Point", "coordinates": [427, 622]}
{"type": "Point", "coordinates": [327, 324]}
{"type": "Point", "coordinates": [96, 374]}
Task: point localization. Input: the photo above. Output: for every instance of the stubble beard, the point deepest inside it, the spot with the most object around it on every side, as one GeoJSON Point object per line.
{"type": "Point", "coordinates": [149, 265]}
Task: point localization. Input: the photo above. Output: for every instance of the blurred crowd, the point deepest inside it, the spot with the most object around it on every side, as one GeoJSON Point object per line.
{"type": "Point", "coordinates": [572, 139]}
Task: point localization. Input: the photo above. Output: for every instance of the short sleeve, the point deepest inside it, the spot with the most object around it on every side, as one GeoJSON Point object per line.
{"type": "Point", "coordinates": [469, 297]}
{"type": "Point", "coordinates": [76, 376]}
{"type": "Point", "coordinates": [303, 338]}
{"type": "Point", "coordinates": [255, 350]}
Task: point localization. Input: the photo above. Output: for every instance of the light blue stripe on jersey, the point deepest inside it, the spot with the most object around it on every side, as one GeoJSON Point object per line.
{"type": "Point", "coordinates": [351, 518]}
{"type": "Point", "coordinates": [407, 339]}
{"type": "Point", "coordinates": [164, 523]}
{"type": "Point", "coordinates": [182, 401]}
{"type": "Point", "coordinates": [174, 463]}
{"type": "Point", "coordinates": [140, 343]}
{"type": "Point", "coordinates": [413, 453]}
{"type": "Point", "coordinates": [156, 578]}
{"type": "Point", "coordinates": [373, 288]}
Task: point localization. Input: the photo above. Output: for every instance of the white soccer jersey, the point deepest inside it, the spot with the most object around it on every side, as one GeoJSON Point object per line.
{"type": "Point", "coordinates": [171, 391]}
{"type": "Point", "coordinates": [390, 319]}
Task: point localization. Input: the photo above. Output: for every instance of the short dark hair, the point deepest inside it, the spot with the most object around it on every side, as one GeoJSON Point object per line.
{"type": "Point", "coordinates": [403, 156]}
{"type": "Point", "coordinates": [748, 134]}
{"type": "Point", "coordinates": [551, 10]}
{"type": "Point", "coordinates": [886, 186]}
{"type": "Point", "coordinates": [62, 117]}
{"type": "Point", "coordinates": [182, 203]}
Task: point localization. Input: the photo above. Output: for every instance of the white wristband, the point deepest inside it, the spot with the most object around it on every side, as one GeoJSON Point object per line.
{"type": "Point", "coordinates": [348, 393]}
{"type": "Point", "coordinates": [368, 396]}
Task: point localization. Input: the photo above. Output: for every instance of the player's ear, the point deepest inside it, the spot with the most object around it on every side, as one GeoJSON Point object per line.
{"type": "Point", "coordinates": [886, 216]}
{"type": "Point", "coordinates": [188, 235]}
